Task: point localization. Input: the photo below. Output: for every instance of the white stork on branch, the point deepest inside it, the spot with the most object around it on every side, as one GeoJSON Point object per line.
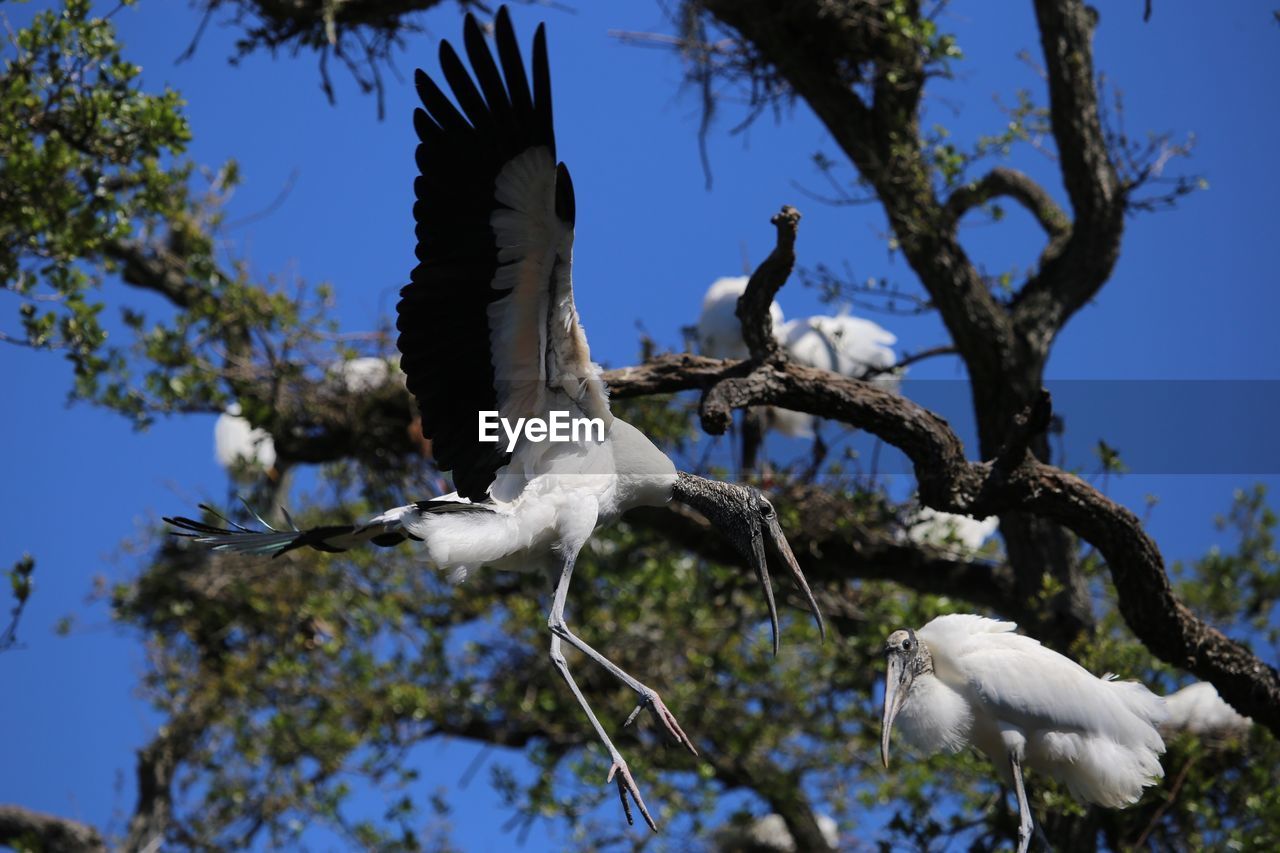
{"type": "Point", "coordinates": [488, 324]}
{"type": "Point", "coordinates": [966, 680]}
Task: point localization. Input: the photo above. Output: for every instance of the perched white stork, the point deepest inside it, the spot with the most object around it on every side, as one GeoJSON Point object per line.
{"type": "Point", "coordinates": [965, 680]}
{"type": "Point", "coordinates": [488, 324]}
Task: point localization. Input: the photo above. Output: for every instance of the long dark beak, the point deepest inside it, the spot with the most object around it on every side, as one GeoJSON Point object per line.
{"type": "Point", "coordinates": [897, 680]}
{"type": "Point", "coordinates": [742, 515]}
{"type": "Point", "coordinates": [756, 556]}
{"type": "Point", "coordinates": [782, 551]}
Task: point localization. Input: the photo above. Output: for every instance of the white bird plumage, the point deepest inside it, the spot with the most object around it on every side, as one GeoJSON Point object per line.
{"type": "Point", "coordinates": [361, 374]}
{"type": "Point", "coordinates": [719, 330]}
{"type": "Point", "coordinates": [1198, 708]}
{"type": "Point", "coordinates": [965, 680]}
{"type": "Point", "coordinates": [950, 531]}
{"type": "Point", "coordinates": [488, 323]}
{"type": "Point", "coordinates": [237, 443]}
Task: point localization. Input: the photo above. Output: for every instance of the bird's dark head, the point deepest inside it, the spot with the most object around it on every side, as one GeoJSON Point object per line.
{"type": "Point", "coordinates": [906, 659]}
{"type": "Point", "coordinates": [747, 519]}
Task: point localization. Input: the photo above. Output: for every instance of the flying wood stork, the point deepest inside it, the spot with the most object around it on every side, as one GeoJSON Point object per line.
{"type": "Point", "coordinates": [966, 680]}
{"type": "Point", "coordinates": [488, 324]}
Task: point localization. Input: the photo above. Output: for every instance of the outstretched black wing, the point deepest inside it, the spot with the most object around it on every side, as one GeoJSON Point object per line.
{"type": "Point", "coordinates": [488, 322]}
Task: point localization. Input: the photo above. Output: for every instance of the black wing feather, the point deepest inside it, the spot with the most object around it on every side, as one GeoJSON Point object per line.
{"type": "Point", "coordinates": [464, 89]}
{"type": "Point", "coordinates": [443, 319]}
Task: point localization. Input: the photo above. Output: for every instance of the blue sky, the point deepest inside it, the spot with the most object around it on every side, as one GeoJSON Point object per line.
{"type": "Point", "coordinates": [1193, 296]}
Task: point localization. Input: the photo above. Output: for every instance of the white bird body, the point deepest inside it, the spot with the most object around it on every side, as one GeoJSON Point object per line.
{"type": "Point", "coordinates": [966, 680]}
{"type": "Point", "coordinates": [360, 375]}
{"type": "Point", "coordinates": [844, 344]}
{"type": "Point", "coordinates": [582, 482]}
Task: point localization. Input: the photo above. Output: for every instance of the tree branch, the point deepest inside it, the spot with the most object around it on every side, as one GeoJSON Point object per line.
{"type": "Point", "coordinates": [833, 550]}
{"type": "Point", "coordinates": [42, 831]}
{"type": "Point", "coordinates": [753, 306]}
{"type": "Point", "coordinates": [1070, 277]}
{"type": "Point", "coordinates": [149, 269]}
{"type": "Point", "coordinates": [1011, 183]}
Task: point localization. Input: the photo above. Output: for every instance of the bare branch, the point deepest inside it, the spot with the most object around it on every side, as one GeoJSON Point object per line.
{"type": "Point", "coordinates": [1011, 183]}
{"type": "Point", "coordinates": [1069, 277]}
{"type": "Point", "coordinates": [909, 359]}
{"type": "Point", "coordinates": [753, 305]}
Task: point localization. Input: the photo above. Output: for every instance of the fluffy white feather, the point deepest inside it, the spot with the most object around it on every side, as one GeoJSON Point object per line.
{"type": "Point", "coordinates": [947, 530]}
{"type": "Point", "coordinates": [843, 344]}
{"type": "Point", "coordinates": [1199, 709]}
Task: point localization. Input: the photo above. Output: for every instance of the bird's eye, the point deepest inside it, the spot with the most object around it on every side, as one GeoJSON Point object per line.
{"type": "Point", "coordinates": [906, 645]}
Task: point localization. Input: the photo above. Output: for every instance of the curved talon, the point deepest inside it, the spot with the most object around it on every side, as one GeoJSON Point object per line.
{"type": "Point", "coordinates": [668, 719]}
{"type": "Point", "coordinates": [627, 787]}
{"type": "Point", "coordinates": [654, 703]}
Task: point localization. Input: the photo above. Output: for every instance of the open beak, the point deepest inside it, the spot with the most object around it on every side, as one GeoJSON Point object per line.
{"type": "Point", "coordinates": [782, 551]}
{"type": "Point", "coordinates": [897, 680]}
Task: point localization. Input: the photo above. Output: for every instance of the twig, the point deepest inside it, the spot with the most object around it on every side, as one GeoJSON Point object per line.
{"type": "Point", "coordinates": [1174, 790]}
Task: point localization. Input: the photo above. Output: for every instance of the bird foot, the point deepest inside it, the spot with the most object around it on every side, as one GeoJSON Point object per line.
{"type": "Point", "coordinates": [628, 791]}
{"type": "Point", "coordinates": [660, 710]}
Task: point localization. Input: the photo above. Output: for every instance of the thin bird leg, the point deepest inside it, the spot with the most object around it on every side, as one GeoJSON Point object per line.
{"type": "Point", "coordinates": [626, 785]}
{"type": "Point", "coordinates": [649, 697]}
{"type": "Point", "coordinates": [1024, 811]}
